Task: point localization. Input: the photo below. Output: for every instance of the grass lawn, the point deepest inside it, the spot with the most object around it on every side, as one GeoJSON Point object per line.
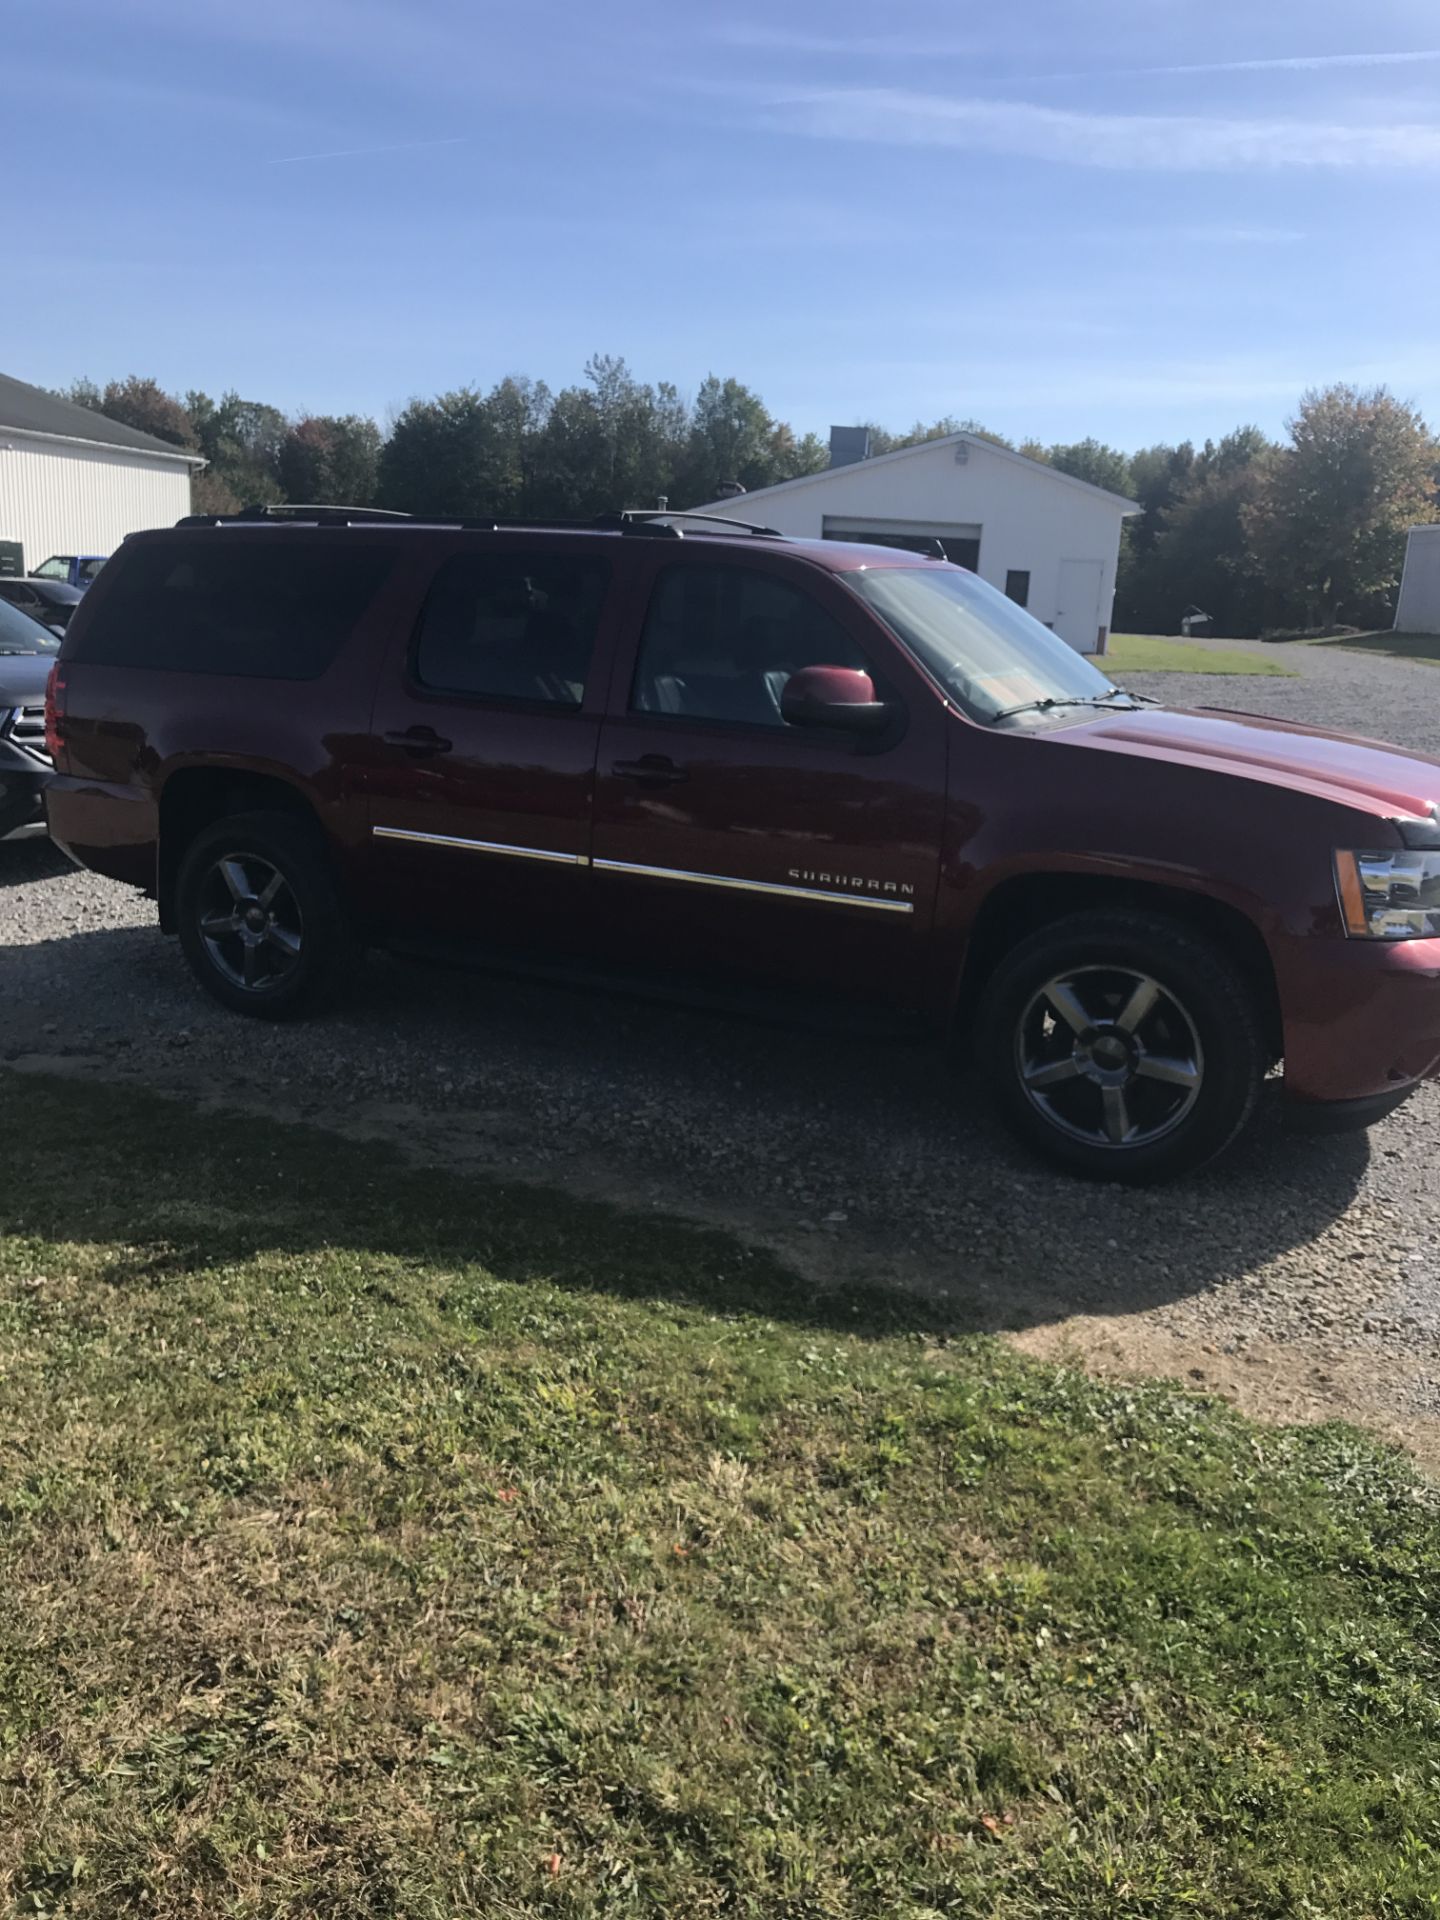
{"type": "Point", "coordinates": [1398, 646]}
{"type": "Point", "coordinates": [375, 1542]}
{"type": "Point", "coordinates": [1150, 653]}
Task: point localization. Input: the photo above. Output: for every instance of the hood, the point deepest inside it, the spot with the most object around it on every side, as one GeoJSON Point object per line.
{"type": "Point", "coordinates": [1366, 774]}
{"type": "Point", "coordinates": [23, 677]}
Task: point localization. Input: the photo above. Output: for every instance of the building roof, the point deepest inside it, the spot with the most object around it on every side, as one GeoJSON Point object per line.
{"type": "Point", "coordinates": [32, 410]}
{"type": "Point", "coordinates": [741, 501]}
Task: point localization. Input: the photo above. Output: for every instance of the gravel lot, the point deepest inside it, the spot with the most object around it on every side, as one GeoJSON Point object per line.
{"type": "Point", "coordinates": [1298, 1279]}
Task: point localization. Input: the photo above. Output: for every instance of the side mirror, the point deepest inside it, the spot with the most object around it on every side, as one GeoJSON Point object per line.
{"type": "Point", "coordinates": [832, 697]}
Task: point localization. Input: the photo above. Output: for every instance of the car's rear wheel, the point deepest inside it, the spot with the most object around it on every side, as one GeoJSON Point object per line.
{"type": "Point", "coordinates": [260, 916]}
{"type": "Point", "coordinates": [1123, 1045]}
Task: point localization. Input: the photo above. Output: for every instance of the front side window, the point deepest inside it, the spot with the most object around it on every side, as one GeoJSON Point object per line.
{"type": "Point", "coordinates": [720, 643]}
{"type": "Point", "coordinates": [512, 626]}
{"type": "Point", "coordinates": [987, 653]}
{"type": "Point", "coordinates": [89, 569]}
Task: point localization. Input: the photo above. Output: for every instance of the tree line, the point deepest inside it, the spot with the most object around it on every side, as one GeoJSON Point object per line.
{"type": "Point", "coordinates": [1261, 534]}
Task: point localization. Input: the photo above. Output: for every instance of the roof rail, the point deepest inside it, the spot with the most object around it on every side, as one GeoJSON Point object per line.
{"type": "Point", "coordinates": [655, 523]}
{"type": "Point", "coordinates": [325, 516]}
{"type": "Point", "coordinates": [712, 519]}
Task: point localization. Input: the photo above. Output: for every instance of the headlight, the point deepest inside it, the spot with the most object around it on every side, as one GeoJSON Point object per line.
{"type": "Point", "coordinates": [1390, 896]}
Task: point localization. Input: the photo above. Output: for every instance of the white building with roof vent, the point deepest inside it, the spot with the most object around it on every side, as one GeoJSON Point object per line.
{"type": "Point", "coordinates": [74, 482]}
{"type": "Point", "coordinates": [1048, 540]}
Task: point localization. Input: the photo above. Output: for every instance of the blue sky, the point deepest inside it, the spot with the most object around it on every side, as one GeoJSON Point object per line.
{"type": "Point", "coordinates": [1145, 219]}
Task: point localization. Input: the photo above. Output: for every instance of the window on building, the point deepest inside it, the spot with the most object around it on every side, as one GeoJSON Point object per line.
{"type": "Point", "coordinates": [720, 643]}
{"type": "Point", "coordinates": [1017, 586]}
{"type": "Point", "coordinates": [512, 626]}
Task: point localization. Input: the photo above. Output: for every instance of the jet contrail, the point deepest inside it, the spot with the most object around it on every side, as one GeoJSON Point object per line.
{"type": "Point", "coordinates": [354, 153]}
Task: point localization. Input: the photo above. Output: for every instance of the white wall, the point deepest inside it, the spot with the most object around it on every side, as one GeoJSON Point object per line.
{"type": "Point", "coordinates": [1029, 519]}
{"type": "Point", "coordinates": [1418, 608]}
{"type": "Point", "coordinates": [58, 498]}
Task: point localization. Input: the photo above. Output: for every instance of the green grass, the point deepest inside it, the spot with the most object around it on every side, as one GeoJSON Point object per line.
{"type": "Point", "coordinates": [376, 1542]}
{"type": "Point", "coordinates": [1150, 653]}
{"type": "Point", "coordinates": [1398, 646]}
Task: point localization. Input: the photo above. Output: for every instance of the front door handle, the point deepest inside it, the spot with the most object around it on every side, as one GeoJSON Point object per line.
{"type": "Point", "coordinates": [651, 770]}
{"type": "Point", "coordinates": [419, 741]}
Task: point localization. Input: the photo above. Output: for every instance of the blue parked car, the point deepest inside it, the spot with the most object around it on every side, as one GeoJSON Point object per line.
{"type": "Point", "coordinates": [75, 569]}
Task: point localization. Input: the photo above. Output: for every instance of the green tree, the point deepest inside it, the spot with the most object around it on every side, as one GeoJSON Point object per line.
{"type": "Point", "coordinates": [242, 440]}
{"type": "Point", "coordinates": [1092, 460]}
{"type": "Point", "coordinates": [82, 393]}
{"type": "Point", "coordinates": [444, 458]}
{"type": "Point", "coordinates": [1145, 599]}
{"type": "Point", "coordinates": [329, 459]}
{"type": "Point", "coordinates": [1330, 526]}
{"type": "Point", "coordinates": [733, 437]}
{"type": "Point", "coordinates": [1203, 555]}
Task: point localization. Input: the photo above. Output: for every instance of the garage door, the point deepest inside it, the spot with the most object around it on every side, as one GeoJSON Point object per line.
{"type": "Point", "coordinates": [961, 543]}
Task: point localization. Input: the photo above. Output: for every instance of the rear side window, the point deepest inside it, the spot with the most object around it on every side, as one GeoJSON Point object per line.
{"type": "Point", "coordinates": [267, 610]}
{"type": "Point", "coordinates": [512, 626]}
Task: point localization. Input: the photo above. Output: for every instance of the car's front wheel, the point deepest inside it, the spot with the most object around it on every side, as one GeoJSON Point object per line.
{"type": "Point", "coordinates": [260, 917]}
{"type": "Point", "coordinates": [1123, 1045]}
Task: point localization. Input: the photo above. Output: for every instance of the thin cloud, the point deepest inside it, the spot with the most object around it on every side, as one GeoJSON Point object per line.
{"type": "Point", "coordinates": [901, 46]}
{"type": "Point", "coordinates": [1284, 63]}
{"type": "Point", "coordinates": [1176, 143]}
{"type": "Point", "coordinates": [355, 153]}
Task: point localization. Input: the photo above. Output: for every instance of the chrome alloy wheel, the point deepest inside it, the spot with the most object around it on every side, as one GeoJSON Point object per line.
{"type": "Point", "coordinates": [1109, 1056]}
{"type": "Point", "coordinates": [250, 922]}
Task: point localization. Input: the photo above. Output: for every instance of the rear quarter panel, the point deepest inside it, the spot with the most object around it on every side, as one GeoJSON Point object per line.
{"type": "Point", "coordinates": [130, 730]}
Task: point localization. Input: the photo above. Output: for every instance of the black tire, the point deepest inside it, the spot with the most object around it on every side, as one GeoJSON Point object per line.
{"type": "Point", "coordinates": [303, 957]}
{"type": "Point", "coordinates": [1183, 1075]}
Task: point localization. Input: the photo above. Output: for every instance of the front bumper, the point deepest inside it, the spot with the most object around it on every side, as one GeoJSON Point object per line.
{"type": "Point", "coordinates": [1362, 1022]}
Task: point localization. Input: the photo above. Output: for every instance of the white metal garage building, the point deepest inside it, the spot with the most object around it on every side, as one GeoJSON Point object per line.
{"type": "Point", "coordinates": [72, 481]}
{"type": "Point", "coordinates": [1418, 608]}
{"type": "Point", "coordinates": [1048, 540]}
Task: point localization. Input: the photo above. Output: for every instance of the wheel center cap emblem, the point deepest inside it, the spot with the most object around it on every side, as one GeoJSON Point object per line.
{"type": "Point", "coordinates": [255, 920]}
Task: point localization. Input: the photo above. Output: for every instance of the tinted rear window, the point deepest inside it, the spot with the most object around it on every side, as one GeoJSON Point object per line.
{"type": "Point", "coordinates": [266, 610]}
{"type": "Point", "coordinates": [512, 626]}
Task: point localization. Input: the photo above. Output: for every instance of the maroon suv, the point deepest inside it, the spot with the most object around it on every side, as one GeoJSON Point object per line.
{"type": "Point", "coordinates": [717, 759]}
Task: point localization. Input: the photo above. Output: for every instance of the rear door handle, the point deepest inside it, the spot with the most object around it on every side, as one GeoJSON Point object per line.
{"type": "Point", "coordinates": [651, 770]}
{"type": "Point", "coordinates": [419, 741]}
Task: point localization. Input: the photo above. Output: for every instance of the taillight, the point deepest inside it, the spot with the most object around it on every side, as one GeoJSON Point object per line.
{"type": "Point", "coordinates": [55, 713]}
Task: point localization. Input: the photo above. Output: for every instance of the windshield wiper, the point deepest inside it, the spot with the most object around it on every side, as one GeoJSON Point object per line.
{"type": "Point", "coordinates": [1074, 700]}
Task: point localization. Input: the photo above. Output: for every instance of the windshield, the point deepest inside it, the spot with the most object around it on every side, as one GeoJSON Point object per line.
{"type": "Point", "coordinates": [20, 634]}
{"type": "Point", "coordinates": [986, 652]}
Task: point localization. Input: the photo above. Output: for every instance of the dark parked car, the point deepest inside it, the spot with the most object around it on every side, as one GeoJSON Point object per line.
{"type": "Point", "coordinates": [73, 569]}
{"type": "Point", "coordinates": [803, 772]}
{"type": "Point", "coordinates": [50, 601]}
{"type": "Point", "coordinates": [27, 653]}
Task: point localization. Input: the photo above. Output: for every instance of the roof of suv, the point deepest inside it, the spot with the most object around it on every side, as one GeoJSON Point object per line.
{"type": "Point", "coordinates": [837, 556]}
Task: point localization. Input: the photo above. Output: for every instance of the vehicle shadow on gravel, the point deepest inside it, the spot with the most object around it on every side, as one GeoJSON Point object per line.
{"type": "Point", "coordinates": [24, 862]}
{"type": "Point", "coordinates": [861, 1164]}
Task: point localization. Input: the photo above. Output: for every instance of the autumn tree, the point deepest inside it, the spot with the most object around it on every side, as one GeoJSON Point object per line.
{"type": "Point", "coordinates": [1329, 528]}
{"type": "Point", "coordinates": [327, 459]}
{"type": "Point", "coordinates": [139, 403]}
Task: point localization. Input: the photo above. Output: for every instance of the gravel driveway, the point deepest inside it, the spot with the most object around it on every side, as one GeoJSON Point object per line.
{"type": "Point", "coordinates": [1298, 1279]}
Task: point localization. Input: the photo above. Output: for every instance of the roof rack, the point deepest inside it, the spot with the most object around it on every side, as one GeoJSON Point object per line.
{"type": "Point", "coordinates": [325, 516]}
{"type": "Point", "coordinates": [655, 523]}
{"type": "Point", "coordinates": [711, 519]}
